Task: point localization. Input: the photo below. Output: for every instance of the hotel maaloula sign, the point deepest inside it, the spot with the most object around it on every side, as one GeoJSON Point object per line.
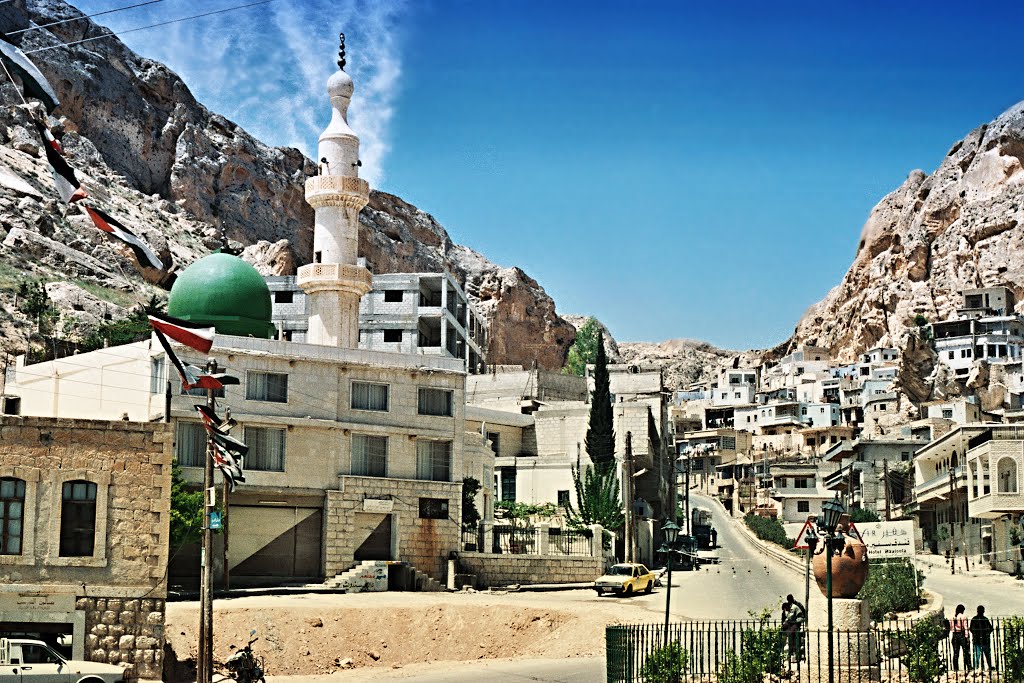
{"type": "Point", "coordinates": [887, 539]}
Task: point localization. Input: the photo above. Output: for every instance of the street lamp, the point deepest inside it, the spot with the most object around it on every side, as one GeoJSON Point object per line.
{"type": "Point", "coordinates": [671, 533]}
{"type": "Point", "coordinates": [831, 512]}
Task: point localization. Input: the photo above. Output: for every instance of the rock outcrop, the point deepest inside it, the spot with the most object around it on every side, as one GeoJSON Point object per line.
{"type": "Point", "coordinates": [684, 361]}
{"type": "Point", "coordinates": [932, 237]}
{"type": "Point", "coordinates": [190, 181]}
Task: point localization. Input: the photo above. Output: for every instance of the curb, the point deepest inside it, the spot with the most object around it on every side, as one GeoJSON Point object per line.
{"type": "Point", "coordinates": [770, 549]}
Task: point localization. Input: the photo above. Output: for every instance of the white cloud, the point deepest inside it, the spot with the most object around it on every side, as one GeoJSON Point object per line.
{"type": "Point", "coordinates": [266, 67]}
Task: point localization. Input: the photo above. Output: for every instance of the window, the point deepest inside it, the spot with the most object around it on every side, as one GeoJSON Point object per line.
{"type": "Point", "coordinates": [38, 654]}
{"type": "Point", "coordinates": [508, 484]}
{"type": "Point", "coordinates": [904, 456]}
{"type": "Point", "coordinates": [1006, 472]}
{"type": "Point", "coordinates": [369, 455]}
{"type": "Point", "coordinates": [284, 297]}
{"type": "Point", "coordinates": [434, 460]}
{"type": "Point", "coordinates": [157, 381]}
{"type": "Point", "coordinates": [266, 449]}
{"type": "Point", "coordinates": [781, 482]}
{"type": "Point", "coordinates": [433, 508]}
{"type": "Point", "coordinates": [12, 513]}
{"type": "Point", "coordinates": [495, 439]}
{"type": "Point", "coordinates": [800, 483]}
{"type": "Point", "coordinates": [393, 296]}
{"type": "Point", "coordinates": [366, 396]}
{"type": "Point", "coordinates": [78, 519]}
{"type": "Point", "coordinates": [266, 386]}
{"type": "Point", "coordinates": [737, 394]}
{"type": "Point", "coordinates": [196, 391]}
{"type": "Point", "coordinates": [190, 442]}
{"type": "Point", "coordinates": [435, 402]}
{"type": "Point", "coordinates": [391, 336]}
{"type": "Point", "coordinates": [947, 414]}
{"type": "Point", "coordinates": [803, 506]}
{"type": "Point", "coordinates": [952, 355]}
{"type": "Point", "coordinates": [563, 499]}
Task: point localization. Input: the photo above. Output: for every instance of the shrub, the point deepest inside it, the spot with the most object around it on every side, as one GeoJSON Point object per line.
{"type": "Point", "coordinates": [1013, 649]}
{"type": "Point", "coordinates": [891, 588]}
{"type": "Point", "coordinates": [760, 654]}
{"type": "Point", "coordinates": [923, 661]}
{"type": "Point", "coordinates": [768, 529]}
{"type": "Point", "coordinates": [665, 665]}
{"type": "Point", "coordinates": [864, 515]}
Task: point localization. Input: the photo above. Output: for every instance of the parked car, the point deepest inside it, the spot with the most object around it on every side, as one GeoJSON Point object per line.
{"type": "Point", "coordinates": [23, 660]}
{"type": "Point", "coordinates": [625, 579]}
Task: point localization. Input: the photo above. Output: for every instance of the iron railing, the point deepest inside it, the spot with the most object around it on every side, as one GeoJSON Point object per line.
{"type": "Point", "coordinates": [514, 540]}
{"type": "Point", "coordinates": [756, 650]}
{"type": "Point", "coordinates": [471, 540]}
{"type": "Point", "coordinates": [569, 542]}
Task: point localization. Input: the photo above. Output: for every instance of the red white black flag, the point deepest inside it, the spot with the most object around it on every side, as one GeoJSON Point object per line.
{"type": "Point", "coordinates": [220, 437]}
{"type": "Point", "coordinates": [147, 258]}
{"type": "Point", "coordinates": [194, 336]}
{"type": "Point", "coordinates": [228, 465]}
{"type": "Point", "coordinates": [64, 178]}
{"type": "Point", "coordinates": [33, 82]}
{"type": "Point", "coordinates": [189, 378]}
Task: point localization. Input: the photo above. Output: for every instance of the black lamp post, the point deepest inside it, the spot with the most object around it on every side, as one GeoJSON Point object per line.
{"type": "Point", "coordinates": [831, 512]}
{"type": "Point", "coordinates": [671, 532]}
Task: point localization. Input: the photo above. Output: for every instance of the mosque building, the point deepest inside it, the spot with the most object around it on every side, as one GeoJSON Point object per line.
{"type": "Point", "coordinates": [355, 454]}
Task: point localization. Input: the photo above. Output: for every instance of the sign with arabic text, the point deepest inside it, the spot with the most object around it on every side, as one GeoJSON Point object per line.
{"type": "Point", "coordinates": [887, 539]}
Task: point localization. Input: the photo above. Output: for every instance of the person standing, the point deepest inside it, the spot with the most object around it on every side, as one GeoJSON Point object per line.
{"type": "Point", "coordinates": [960, 629]}
{"type": "Point", "coordinates": [981, 634]}
{"type": "Point", "coordinates": [794, 616]}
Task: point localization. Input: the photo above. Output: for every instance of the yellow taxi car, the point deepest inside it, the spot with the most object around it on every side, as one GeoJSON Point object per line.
{"type": "Point", "coordinates": [625, 579]}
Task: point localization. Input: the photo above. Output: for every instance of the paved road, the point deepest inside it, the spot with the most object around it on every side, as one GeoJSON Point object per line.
{"type": "Point", "coordinates": [1001, 594]}
{"type": "Point", "coordinates": [513, 671]}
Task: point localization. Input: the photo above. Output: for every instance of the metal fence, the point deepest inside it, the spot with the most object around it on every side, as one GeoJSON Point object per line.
{"type": "Point", "coordinates": [749, 651]}
{"type": "Point", "coordinates": [471, 539]}
{"type": "Point", "coordinates": [514, 540]}
{"type": "Point", "coordinates": [569, 542]}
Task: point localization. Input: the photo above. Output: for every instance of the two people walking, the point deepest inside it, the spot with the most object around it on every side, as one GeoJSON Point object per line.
{"type": "Point", "coordinates": [979, 630]}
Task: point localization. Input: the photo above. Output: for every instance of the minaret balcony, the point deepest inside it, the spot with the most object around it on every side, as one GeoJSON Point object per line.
{"type": "Point", "coordinates": [338, 277]}
{"type": "Point", "coordinates": [337, 190]}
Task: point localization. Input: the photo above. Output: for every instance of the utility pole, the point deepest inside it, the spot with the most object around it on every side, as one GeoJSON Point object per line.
{"type": "Point", "coordinates": [689, 529]}
{"type": "Point", "coordinates": [885, 473]}
{"type": "Point", "coordinates": [204, 668]}
{"type": "Point", "coordinates": [952, 548]}
{"type": "Point", "coordinates": [630, 531]}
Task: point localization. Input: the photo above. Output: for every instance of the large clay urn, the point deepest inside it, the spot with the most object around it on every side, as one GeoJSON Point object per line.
{"type": "Point", "coordinates": [849, 568]}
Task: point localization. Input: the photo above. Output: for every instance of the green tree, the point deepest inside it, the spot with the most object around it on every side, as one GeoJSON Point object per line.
{"type": "Point", "coordinates": [600, 439]}
{"type": "Point", "coordinates": [470, 515]}
{"type": "Point", "coordinates": [597, 498]}
{"type": "Point", "coordinates": [583, 351]}
{"type": "Point", "coordinates": [34, 302]}
{"type": "Point", "coordinates": [858, 515]}
{"type": "Point", "coordinates": [186, 510]}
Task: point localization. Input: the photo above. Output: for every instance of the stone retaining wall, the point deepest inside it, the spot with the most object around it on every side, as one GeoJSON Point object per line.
{"type": "Point", "coordinates": [505, 570]}
{"type": "Point", "coordinates": [122, 631]}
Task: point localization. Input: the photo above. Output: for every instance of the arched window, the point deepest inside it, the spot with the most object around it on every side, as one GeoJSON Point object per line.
{"type": "Point", "coordinates": [12, 515]}
{"type": "Point", "coordinates": [1006, 472]}
{"type": "Point", "coordinates": [78, 519]}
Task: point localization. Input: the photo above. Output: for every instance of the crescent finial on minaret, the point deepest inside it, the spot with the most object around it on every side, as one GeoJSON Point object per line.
{"type": "Point", "coordinates": [341, 51]}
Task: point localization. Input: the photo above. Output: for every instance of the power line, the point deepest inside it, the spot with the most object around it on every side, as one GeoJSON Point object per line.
{"type": "Point", "coordinates": [86, 16]}
{"type": "Point", "coordinates": [142, 28]}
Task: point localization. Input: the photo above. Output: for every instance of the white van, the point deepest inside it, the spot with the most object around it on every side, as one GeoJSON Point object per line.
{"type": "Point", "coordinates": [32, 661]}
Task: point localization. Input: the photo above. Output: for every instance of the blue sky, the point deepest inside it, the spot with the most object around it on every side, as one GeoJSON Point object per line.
{"type": "Point", "coordinates": [675, 169]}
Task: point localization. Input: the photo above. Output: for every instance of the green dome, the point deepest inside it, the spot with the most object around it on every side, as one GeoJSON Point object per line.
{"type": "Point", "coordinates": [225, 292]}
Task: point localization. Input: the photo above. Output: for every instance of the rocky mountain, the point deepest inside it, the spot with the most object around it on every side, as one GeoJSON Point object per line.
{"type": "Point", "coordinates": [189, 180]}
{"type": "Point", "coordinates": [927, 240]}
{"type": "Point", "coordinates": [685, 361]}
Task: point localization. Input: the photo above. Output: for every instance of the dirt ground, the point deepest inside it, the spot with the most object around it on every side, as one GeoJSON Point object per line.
{"type": "Point", "coordinates": [319, 634]}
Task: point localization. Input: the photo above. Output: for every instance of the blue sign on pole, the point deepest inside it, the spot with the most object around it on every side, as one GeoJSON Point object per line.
{"type": "Point", "coordinates": [215, 520]}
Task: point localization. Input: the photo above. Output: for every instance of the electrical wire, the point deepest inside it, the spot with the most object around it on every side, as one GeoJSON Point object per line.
{"type": "Point", "coordinates": [142, 28]}
{"type": "Point", "coordinates": [87, 16]}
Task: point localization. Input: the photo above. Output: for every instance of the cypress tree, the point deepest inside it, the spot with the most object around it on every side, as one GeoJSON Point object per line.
{"type": "Point", "coordinates": [600, 440]}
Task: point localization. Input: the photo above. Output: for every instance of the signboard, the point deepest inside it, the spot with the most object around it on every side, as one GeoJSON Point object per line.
{"type": "Point", "coordinates": [801, 538]}
{"type": "Point", "coordinates": [378, 505]}
{"type": "Point", "coordinates": [215, 521]}
{"type": "Point", "coordinates": [888, 539]}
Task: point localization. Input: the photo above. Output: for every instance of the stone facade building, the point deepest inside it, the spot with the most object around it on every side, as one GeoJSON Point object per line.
{"type": "Point", "coordinates": [84, 535]}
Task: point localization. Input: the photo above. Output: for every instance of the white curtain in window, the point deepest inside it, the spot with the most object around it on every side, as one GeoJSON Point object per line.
{"type": "Point", "coordinates": [266, 449]}
{"type": "Point", "coordinates": [190, 442]}
{"type": "Point", "coordinates": [369, 455]}
{"type": "Point", "coordinates": [267, 386]}
{"type": "Point", "coordinates": [434, 460]}
{"type": "Point", "coordinates": [435, 402]}
{"type": "Point", "coordinates": [367, 396]}
{"type": "Point", "coordinates": [157, 381]}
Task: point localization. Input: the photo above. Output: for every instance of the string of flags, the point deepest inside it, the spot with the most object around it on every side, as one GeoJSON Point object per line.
{"type": "Point", "coordinates": [70, 189]}
{"type": "Point", "coordinates": [228, 452]}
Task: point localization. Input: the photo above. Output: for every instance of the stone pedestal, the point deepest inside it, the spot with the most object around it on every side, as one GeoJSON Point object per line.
{"type": "Point", "coordinates": [855, 652]}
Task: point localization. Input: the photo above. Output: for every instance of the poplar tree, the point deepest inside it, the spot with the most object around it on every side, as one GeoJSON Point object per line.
{"type": "Point", "coordinates": [600, 439]}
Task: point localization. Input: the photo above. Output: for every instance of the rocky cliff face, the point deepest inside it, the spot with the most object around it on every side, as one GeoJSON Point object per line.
{"type": "Point", "coordinates": [932, 237]}
{"type": "Point", "coordinates": [189, 180]}
{"type": "Point", "coordinates": [685, 361]}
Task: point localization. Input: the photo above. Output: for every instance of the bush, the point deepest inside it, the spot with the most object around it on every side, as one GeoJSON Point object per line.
{"type": "Point", "coordinates": [768, 529]}
{"type": "Point", "coordinates": [891, 588]}
{"type": "Point", "coordinates": [923, 661]}
{"type": "Point", "coordinates": [864, 515]}
{"type": "Point", "coordinates": [760, 654]}
{"type": "Point", "coordinates": [1013, 649]}
{"type": "Point", "coordinates": [665, 665]}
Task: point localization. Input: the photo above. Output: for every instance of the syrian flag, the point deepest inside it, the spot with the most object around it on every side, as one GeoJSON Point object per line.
{"type": "Point", "coordinates": [109, 225]}
{"type": "Point", "coordinates": [64, 178]}
{"type": "Point", "coordinates": [229, 466]}
{"type": "Point", "coordinates": [220, 437]}
{"type": "Point", "coordinates": [33, 82]}
{"type": "Point", "coordinates": [194, 336]}
{"type": "Point", "coordinates": [191, 376]}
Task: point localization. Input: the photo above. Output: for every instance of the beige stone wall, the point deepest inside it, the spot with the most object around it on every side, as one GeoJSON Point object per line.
{"type": "Point", "coordinates": [505, 570]}
{"type": "Point", "coordinates": [423, 543]}
{"type": "Point", "coordinates": [130, 463]}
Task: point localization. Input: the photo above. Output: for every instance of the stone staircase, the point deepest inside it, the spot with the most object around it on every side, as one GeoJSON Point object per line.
{"type": "Point", "coordinates": [372, 576]}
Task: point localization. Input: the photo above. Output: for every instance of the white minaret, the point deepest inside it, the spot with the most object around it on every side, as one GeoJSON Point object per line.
{"type": "Point", "coordinates": [333, 282]}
